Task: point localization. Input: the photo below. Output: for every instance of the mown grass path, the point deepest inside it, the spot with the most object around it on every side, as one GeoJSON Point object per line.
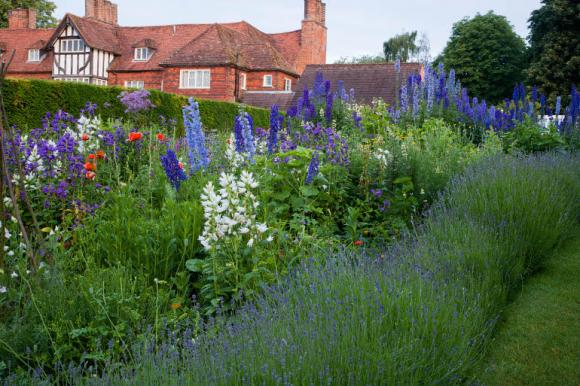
{"type": "Point", "coordinates": [539, 341]}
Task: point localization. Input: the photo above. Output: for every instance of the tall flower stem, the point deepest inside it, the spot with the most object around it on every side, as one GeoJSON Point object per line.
{"type": "Point", "coordinates": [6, 133]}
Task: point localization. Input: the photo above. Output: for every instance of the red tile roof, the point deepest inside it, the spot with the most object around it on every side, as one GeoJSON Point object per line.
{"type": "Point", "coordinates": [187, 44]}
{"type": "Point", "coordinates": [267, 100]}
{"type": "Point", "coordinates": [21, 40]}
{"type": "Point", "coordinates": [172, 45]}
{"type": "Point", "coordinates": [369, 81]}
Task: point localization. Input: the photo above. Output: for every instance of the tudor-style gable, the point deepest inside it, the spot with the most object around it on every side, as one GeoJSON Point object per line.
{"type": "Point", "coordinates": [79, 56]}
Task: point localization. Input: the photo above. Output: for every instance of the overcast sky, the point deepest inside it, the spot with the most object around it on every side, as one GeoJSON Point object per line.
{"type": "Point", "coordinates": [355, 27]}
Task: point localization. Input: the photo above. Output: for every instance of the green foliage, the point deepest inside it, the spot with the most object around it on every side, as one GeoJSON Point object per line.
{"type": "Point", "coordinates": [45, 11]}
{"type": "Point", "coordinates": [154, 241]}
{"type": "Point", "coordinates": [422, 312]}
{"type": "Point", "coordinates": [27, 100]}
{"type": "Point", "coordinates": [528, 138]}
{"type": "Point", "coordinates": [58, 318]}
{"type": "Point", "coordinates": [363, 59]}
{"type": "Point", "coordinates": [487, 55]}
{"type": "Point", "coordinates": [401, 46]}
{"type": "Point", "coordinates": [554, 40]}
{"type": "Point", "coordinates": [538, 342]}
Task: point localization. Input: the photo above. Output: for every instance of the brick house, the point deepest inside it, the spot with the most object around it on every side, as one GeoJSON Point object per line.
{"type": "Point", "coordinates": [215, 61]}
{"type": "Point", "coordinates": [369, 81]}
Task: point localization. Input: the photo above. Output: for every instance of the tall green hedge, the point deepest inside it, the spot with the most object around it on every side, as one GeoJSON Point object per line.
{"type": "Point", "coordinates": [27, 101]}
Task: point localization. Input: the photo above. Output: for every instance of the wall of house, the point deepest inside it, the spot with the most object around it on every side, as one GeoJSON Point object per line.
{"type": "Point", "coordinates": [152, 79]}
{"type": "Point", "coordinates": [255, 81]}
{"type": "Point", "coordinates": [222, 84]}
{"type": "Point", "coordinates": [29, 75]}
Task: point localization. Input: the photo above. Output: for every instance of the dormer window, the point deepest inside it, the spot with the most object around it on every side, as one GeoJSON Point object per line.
{"type": "Point", "coordinates": [34, 55]}
{"type": "Point", "coordinates": [142, 54]}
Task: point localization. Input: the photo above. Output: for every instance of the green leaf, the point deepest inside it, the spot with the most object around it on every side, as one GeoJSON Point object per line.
{"type": "Point", "coordinates": [194, 265]}
{"type": "Point", "coordinates": [309, 191]}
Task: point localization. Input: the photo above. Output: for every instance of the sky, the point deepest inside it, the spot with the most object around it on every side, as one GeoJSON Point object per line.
{"type": "Point", "coordinates": [355, 27]}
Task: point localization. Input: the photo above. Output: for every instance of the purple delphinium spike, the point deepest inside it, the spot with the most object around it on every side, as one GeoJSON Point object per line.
{"type": "Point", "coordinates": [198, 157]}
{"type": "Point", "coordinates": [276, 120]}
{"type": "Point", "coordinates": [174, 172]}
{"type": "Point", "coordinates": [313, 168]}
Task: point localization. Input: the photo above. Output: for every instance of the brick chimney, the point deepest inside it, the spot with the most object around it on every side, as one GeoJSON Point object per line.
{"type": "Point", "coordinates": [22, 18]}
{"type": "Point", "coordinates": [313, 35]}
{"type": "Point", "coordinates": [102, 10]}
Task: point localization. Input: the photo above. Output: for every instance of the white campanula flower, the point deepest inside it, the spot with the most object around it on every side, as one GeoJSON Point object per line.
{"type": "Point", "coordinates": [14, 275]}
{"type": "Point", "coordinates": [3, 290]}
{"type": "Point", "coordinates": [230, 211]}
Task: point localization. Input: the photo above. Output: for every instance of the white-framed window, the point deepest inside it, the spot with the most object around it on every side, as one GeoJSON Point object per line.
{"type": "Point", "coordinates": [74, 80]}
{"type": "Point", "coordinates": [243, 81]}
{"type": "Point", "coordinates": [142, 54]}
{"type": "Point", "coordinates": [34, 55]}
{"type": "Point", "coordinates": [135, 84]}
{"type": "Point", "coordinates": [101, 82]}
{"type": "Point", "coordinates": [287, 84]}
{"type": "Point", "coordinates": [195, 79]}
{"type": "Point", "coordinates": [267, 80]}
{"type": "Point", "coordinates": [72, 45]}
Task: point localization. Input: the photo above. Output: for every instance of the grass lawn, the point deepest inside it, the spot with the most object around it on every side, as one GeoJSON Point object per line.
{"type": "Point", "coordinates": [539, 342]}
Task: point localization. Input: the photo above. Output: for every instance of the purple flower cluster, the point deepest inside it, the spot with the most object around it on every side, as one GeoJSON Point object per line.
{"type": "Point", "coordinates": [320, 139]}
{"type": "Point", "coordinates": [198, 156]}
{"type": "Point", "coordinates": [276, 120]}
{"type": "Point", "coordinates": [244, 133]}
{"type": "Point", "coordinates": [439, 92]}
{"type": "Point", "coordinates": [136, 101]}
{"type": "Point", "coordinates": [173, 170]}
{"type": "Point", "coordinates": [313, 168]}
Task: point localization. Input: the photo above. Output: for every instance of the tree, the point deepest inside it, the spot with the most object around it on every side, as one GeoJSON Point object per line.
{"type": "Point", "coordinates": [405, 47]}
{"type": "Point", "coordinates": [555, 47]}
{"type": "Point", "coordinates": [44, 8]}
{"type": "Point", "coordinates": [363, 59]}
{"type": "Point", "coordinates": [488, 56]}
{"type": "Point", "coordinates": [401, 46]}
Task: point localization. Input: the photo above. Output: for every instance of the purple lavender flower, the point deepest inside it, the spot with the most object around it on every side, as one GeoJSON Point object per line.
{"type": "Point", "coordinates": [172, 169]}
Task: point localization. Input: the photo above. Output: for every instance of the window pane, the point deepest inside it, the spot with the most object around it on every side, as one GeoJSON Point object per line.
{"type": "Point", "coordinates": [206, 79]}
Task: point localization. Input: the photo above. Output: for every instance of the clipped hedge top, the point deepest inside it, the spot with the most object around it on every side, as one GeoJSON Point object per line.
{"type": "Point", "coordinates": [27, 102]}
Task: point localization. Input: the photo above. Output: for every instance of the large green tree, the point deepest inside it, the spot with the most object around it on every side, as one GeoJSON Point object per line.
{"type": "Point", "coordinates": [44, 8]}
{"type": "Point", "coordinates": [487, 55]}
{"type": "Point", "coordinates": [555, 47]}
{"type": "Point", "coordinates": [401, 46]}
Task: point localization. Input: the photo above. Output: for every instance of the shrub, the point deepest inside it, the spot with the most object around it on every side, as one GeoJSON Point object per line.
{"type": "Point", "coordinates": [27, 100]}
{"type": "Point", "coordinates": [419, 312]}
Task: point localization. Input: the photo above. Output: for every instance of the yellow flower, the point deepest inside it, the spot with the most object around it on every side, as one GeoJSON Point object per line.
{"type": "Point", "coordinates": [175, 306]}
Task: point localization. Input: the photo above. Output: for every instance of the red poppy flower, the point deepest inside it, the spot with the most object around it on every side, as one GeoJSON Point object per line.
{"type": "Point", "coordinates": [135, 136]}
{"type": "Point", "coordinates": [161, 137]}
{"type": "Point", "coordinates": [90, 167]}
{"type": "Point", "coordinates": [181, 165]}
{"type": "Point", "coordinates": [358, 243]}
{"type": "Point", "coordinates": [100, 154]}
{"type": "Point", "coordinates": [85, 137]}
{"type": "Point", "coordinates": [91, 156]}
{"type": "Point", "coordinates": [90, 175]}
